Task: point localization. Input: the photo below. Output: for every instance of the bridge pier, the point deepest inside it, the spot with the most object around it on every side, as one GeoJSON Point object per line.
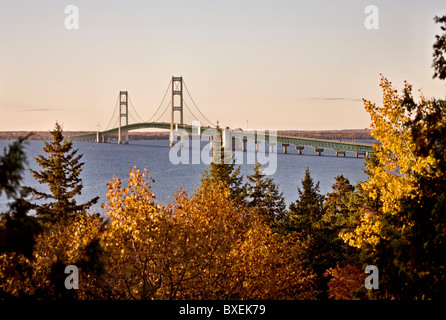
{"type": "Point", "coordinates": [360, 153]}
{"type": "Point", "coordinates": [340, 152]}
{"type": "Point", "coordinates": [285, 146]}
{"type": "Point", "coordinates": [238, 144]}
{"type": "Point", "coordinates": [272, 147]}
{"type": "Point", "coordinates": [299, 149]}
{"type": "Point", "coordinates": [318, 151]}
{"type": "Point", "coordinates": [227, 139]}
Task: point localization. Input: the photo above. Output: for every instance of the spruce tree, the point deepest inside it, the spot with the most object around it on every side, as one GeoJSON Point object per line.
{"type": "Point", "coordinates": [17, 229]}
{"type": "Point", "coordinates": [61, 170]}
{"type": "Point", "coordinates": [439, 63]}
{"type": "Point", "coordinates": [223, 169]}
{"type": "Point", "coordinates": [305, 214]}
{"type": "Point", "coordinates": [264, 195]}
{"type": "Point", "coordinates": [306, 218]}
{"type": "Point", "coordinates": [341, 215]}
{"type": "Point", "coordinates": [337, 203]}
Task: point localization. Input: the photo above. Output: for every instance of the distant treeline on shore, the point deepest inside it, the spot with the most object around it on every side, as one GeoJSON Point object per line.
{"type": "Point", "coordinates": [352, 134]}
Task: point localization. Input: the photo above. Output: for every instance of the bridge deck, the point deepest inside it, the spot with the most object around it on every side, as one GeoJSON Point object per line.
{"type": "Point", "coordinates": [296, 141]}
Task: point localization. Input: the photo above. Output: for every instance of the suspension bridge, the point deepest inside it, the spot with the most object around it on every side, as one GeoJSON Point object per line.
{"type": "Point", "coordinates": [178, 91]}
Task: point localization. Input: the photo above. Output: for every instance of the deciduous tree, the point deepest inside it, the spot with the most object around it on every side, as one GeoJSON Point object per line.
{"type": "Point", "coordinates": [404, 235]}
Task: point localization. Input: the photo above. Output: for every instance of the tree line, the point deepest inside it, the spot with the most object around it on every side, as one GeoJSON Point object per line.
{"type": "Point", "coordinates": [232, 239]}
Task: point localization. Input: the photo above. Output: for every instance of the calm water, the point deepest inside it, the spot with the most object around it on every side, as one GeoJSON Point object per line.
{"type": "Point", "coordinates": [104, 161]}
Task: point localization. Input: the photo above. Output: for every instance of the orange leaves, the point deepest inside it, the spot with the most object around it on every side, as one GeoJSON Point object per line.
{"type": "Point", "coordinates": [344, 282]}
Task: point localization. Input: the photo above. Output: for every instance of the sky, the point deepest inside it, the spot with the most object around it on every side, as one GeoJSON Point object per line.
{"type": "Point", "coordinates": [265, 64]}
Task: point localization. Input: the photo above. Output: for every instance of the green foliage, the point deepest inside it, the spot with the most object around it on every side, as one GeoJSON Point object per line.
{"type": "Point", "coordinates": [265, 196]}
{"type": "Point", "coordinates": [341, 214]}
{"type": "Point", "coordinates": [222, 169]}
{"type": "Point", "coordinates": [17, 228]}
{"type": "Point", "coordinates": [402, 219]}
{"type": "Point", "coordinates": [12, 164]}
{"type": "Point", "coordinates": [320, 221]}
{"type": "Point", "coordinates": [61, 171]}
{"type": "Point", "coordinates": [439, 63]}
{"type": "Point", "coordinates": [305, 214]}
{"type": "Point", "coordinates": [34, 250]}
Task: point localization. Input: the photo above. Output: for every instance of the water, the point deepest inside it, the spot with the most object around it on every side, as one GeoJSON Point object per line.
{"type": "Point", "coordinates": [104, 161]}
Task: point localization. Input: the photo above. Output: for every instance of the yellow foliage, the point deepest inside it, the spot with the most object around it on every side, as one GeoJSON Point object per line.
{"type": "Point", "coordinates": [202, 246]}
{"type": "Point", "coordinates": [394, 176]}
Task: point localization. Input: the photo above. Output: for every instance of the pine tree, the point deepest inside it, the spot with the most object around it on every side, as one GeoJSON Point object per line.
{"type": "Point", "coordinates": [264, 195]}
{"type": "Point", "coordinates": [12, 164]}
{"type": "Point", "coordinates": [223, 169]}
{"type": "Point", "coordinates": [17, 228]}
{"type": "Point", "coordinates": [306, 213]}
{"type": "Point", "coordinates": [341, 215]}
{"type": "Point", "coordinates": [338, 202]}
{"type": "Point", "coordinates": [61, 171]}
{"type": "Point", "coordinates": [306, 218]}
{"type": "Point", "coordinates": [439, 63]}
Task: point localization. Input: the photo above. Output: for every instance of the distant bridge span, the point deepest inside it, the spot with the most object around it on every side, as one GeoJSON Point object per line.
{"type": "Point", "coordinates": [176, 105]}
{"type": "Point", "coordinates": [318, 144]}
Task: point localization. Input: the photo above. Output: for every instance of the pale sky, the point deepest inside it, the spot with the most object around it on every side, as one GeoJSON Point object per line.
{"type": "Point", "coordinates": [281, 64]}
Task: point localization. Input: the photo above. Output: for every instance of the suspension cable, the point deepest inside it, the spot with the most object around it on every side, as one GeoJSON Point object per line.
{"type": "Point", "coordinates": [162, 101]}
{"type": "Point", "coordinates": [136, 121]}
{"type": "Point", "coordinates": [187, 90]}
{"type": "Point", "coordinates": [190, 110]}
{"type": "Point", "coordinates": [114, 111]}
{"type": "Point", "coordinates": [116, 123]}
{"type": "Point", "coordinates": [130, 100]}
{"type": "Point", "coordinates": [163, 112]}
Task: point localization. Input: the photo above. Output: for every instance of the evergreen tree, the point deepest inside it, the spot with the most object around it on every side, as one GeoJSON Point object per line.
{"type": "Point", "coordinates": [306, 217]}
{"type": "Point", "coordinates": [305, 214]}
{"type": "Point", "coordinates": [341, 215]}
{"type": "Point", "coordinates": [337, 202]}
{"type": "Point", "coordinates": [12, 164]}
{"type": "Point", "coordinates": [264, 195]}
{"type": "Point", "coordinates": [61, 171]}
{"type": "Point", "coordinates": [439, 63]}
{"type": "Point", "coordinates": [223, 169]}
{"type": "Point", "coordinates": [17, 228]}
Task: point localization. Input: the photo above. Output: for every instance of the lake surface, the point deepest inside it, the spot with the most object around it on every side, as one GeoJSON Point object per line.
{"type": "Point", "coordinates": [104, 161]}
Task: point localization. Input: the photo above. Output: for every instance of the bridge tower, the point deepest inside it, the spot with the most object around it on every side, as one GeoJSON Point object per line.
{"type": "Point", "coordinates": [123, 104]}
{"type": "Point", "coordinates": [176, 104]}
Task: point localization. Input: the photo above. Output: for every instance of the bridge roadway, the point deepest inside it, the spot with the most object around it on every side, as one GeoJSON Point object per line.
{"type": "Point", "coordinates": [298, 142]}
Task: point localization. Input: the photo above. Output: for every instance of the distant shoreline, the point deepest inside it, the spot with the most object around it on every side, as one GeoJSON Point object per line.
{"type": "Point", "coordinates": [348, 134]}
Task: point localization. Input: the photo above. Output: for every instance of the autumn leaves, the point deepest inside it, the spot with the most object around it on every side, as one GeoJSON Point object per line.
{"type": "Point", "coordinates": [203, 246]}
